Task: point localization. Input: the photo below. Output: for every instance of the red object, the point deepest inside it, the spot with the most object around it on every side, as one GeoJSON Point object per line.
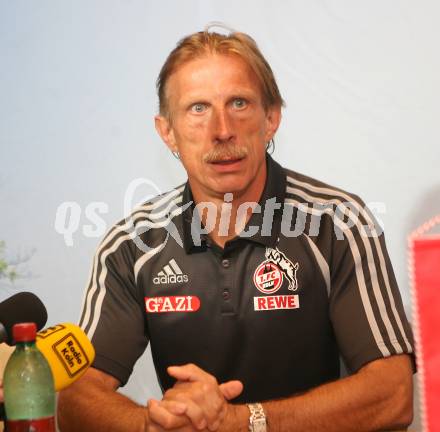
{"type": "Point", "coordinates": [425, 263]}
{"type": "Point", "coordinates": [40, 425]}
{"type": "Point", "coordinates": [24, 332]}
{"type": "Point", "coordinates": [188, 303]}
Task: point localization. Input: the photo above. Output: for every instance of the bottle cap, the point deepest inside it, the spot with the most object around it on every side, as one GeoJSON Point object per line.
{"type": "Point", "coordinates": [24, 332]}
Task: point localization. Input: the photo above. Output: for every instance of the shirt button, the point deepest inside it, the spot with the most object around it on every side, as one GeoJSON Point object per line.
{"type": "Point", "coordinates": [226, 263]}
{"type": "Point", "coordinates": [226, 295]}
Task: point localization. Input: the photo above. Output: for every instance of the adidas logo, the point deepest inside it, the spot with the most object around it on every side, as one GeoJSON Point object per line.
{"type": "Point", "coordinates": [171, 273]}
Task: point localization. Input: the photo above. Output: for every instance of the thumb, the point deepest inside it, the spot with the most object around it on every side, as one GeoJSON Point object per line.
{"type": "Point", "coordinates": [231, 389]}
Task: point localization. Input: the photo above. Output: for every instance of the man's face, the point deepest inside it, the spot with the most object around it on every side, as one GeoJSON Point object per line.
{"type": "Point", "coordinates": [219, 126]}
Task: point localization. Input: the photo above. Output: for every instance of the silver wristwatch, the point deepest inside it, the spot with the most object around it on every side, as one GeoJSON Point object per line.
{"type": "Point", "coordinates": [257, 419]}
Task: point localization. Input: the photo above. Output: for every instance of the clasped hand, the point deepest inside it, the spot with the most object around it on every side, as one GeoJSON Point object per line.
{"type": "Point", "coordinates": [196, 402]}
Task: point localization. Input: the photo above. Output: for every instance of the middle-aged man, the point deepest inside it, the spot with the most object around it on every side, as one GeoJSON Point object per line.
{"type": "Point", "coordinates": [249, 281]}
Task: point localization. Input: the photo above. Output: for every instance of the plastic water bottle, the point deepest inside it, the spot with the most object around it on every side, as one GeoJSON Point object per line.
{"type": "Point", "coordinates": [29, 391]}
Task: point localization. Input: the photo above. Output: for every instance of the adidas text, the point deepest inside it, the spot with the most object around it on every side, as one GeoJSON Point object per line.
{"type": "Point", "coordinates": [170, 279]}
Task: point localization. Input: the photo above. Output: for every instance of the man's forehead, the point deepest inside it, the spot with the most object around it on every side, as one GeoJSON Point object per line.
{"type": "Point", "coordinates": [212, 69]}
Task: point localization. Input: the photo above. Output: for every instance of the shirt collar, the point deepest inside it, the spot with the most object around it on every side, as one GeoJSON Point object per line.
{"type": "Point", "coordinates": [267, 227]}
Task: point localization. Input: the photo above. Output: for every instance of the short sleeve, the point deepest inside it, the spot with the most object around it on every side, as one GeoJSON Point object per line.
{"type": "Point", "coordinates": [112, 313]}
{"type": "Point", "coordinates": [366, 308]}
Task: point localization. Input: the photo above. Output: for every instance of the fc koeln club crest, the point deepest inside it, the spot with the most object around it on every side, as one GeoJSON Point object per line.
{"type": "Point", "coordinates": [268, 277]}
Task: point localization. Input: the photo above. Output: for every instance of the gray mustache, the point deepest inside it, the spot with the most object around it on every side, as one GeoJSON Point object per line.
{"type": "Point", "coordinates": [221, 152]}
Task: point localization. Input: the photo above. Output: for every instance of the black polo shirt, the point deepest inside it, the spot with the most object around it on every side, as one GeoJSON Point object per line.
{"type": "Point", "coordinates": [308, 280]}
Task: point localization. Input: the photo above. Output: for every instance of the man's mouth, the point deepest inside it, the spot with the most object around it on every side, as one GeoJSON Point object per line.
{"type": "Point", "coordinates": [226, 161]}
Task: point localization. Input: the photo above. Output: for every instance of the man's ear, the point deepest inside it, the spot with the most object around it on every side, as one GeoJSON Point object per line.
{"type": "Point", "coordinates": [165, 130]}
{"type": "Point", "coordinates": [273, 119]}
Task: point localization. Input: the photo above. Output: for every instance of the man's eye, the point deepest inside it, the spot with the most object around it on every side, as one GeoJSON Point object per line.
{"type": "Point", "coordinates": [198, 107]}
{"type": "Point", "coordinates": [239, 103]}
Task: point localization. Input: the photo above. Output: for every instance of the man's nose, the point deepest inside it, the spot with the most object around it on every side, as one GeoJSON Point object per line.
{"type": "Point", "coordinates": [222, 126]}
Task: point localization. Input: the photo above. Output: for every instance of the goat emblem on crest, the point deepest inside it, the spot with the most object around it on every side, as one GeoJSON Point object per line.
{"type": "Point", "coordinates": [285, 265]}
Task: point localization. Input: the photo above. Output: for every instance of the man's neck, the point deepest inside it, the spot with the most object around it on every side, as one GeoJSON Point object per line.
{"type": "Point", "coordinates": [232, 215]}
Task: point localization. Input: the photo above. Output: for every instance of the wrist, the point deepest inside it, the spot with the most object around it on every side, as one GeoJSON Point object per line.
{"type": "Point", "coordinates": [237, 419]}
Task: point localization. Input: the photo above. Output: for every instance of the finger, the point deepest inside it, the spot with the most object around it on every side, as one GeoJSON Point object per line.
{"type": "Point", "coordinates": [188, 372]}
{"type": "Point", "coordinates": [214, 426]}
{"type": "Point", "coordinates": [163, 415]}
{"type": "Point", "coordinates": [174, 407]}
{"type": "Point", "coordinates": [156, 428]}
{"type": "Point", "coordinates": [153, 427]}
{"type": "Point", "coordinates": [231, 389]}
{"type": "Point", "coordinates": [194, 413]}
{"type": "Point", "coordinates": [202, 401]}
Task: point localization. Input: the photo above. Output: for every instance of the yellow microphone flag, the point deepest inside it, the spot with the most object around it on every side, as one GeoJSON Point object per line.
{"type": "Point", "coordinates": [68, 351]}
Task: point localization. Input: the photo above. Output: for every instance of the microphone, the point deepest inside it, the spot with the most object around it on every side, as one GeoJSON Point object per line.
{"type": "Point", "coordinates": [21, 307]}
{"type": "Point", "coordinates": [68, 351]}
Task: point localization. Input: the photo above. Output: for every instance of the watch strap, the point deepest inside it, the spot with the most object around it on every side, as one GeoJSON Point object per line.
{"type": "Point", "coordinates": [257, 419]}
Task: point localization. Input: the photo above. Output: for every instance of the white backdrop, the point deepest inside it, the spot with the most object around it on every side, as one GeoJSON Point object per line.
{"type": "Point", "coordinates": [77, 100]}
